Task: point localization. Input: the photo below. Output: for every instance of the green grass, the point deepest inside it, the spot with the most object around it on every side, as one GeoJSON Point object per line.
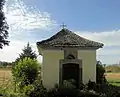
{"type": "Point", "coordinates": [113, 78]}
{"type": "Point", "coordinates": [114, 82]}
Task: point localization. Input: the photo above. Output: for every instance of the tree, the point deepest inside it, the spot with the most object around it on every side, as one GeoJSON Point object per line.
{"type": "Point", "coordinates": [3, 27]}
{"type": "Point", "coordinates": [27, 53]}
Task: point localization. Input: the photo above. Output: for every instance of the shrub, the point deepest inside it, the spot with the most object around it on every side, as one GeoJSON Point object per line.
{"type": "Point", "coordinates": [28, 89]}
{"type": "Point", "coordinates": [25, 72]}
{"type": "Point", "coordinates": [100, 73]}
{"type": "Point", "coordinates": [91, 85]}
{"type": "Point", "coordinates": [68, 90]}
{"type": "Point", "coordinates": [39, 90]}
{"type": "Point", "coordinates": [68, 84]}
{"type": "Point", "coordinates": [89, 93]}
{"type": "Point", "coordinates": [63, 92]}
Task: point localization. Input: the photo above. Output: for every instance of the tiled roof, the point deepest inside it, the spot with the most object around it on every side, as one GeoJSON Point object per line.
{"type": "Point", "coordinates": [66, 38]}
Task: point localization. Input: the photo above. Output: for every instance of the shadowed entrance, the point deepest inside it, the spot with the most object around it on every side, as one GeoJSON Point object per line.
{"type": "Point", "coordinates": [71, 71]}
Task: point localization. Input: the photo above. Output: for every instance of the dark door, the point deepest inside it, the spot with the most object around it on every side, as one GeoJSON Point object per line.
{"type": "Point", "coordinates": [71, 71]}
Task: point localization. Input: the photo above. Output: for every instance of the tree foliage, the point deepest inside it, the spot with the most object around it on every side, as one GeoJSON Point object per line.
{"type": "Point", "coordinates": [3, 27]}
{"type": "Point", "coordinates": [26, 71]}
{"type": "Point", "coordinates": [27, 52]}
{"type": "Point", "coordinates": [100, 73]}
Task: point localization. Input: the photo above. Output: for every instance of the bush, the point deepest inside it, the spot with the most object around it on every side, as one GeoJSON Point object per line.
{"type": "Point", "coordinates": [68, 90]}
{"type": "Point", "coordinates": [28, 89]}
{"type": "Point", "coordinates": [100, 73]}
{"type": "Point", "coordinates": [25, 72]}
{"type": "Point", "coordinates": [39, 90]}
{"type": "Point", "coordinates": [91, 85]}
{"type": "Point", "coordinates": [89, 93]}
{"type": "Point", "coordinates": [68, 84]}
{"type": "Point", "coordinates": [63, 92]}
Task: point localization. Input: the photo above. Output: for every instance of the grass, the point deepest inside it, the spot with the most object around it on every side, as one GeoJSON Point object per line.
{"type": "Point", "coordinates": [113, 78]}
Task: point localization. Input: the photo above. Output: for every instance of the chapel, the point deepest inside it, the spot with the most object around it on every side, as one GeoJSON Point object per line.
{"type": "Point", "coordinates": [66, 56]}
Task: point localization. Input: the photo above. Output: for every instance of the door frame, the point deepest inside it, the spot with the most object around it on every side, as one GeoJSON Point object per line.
{"type": "Point", "coordinates": [66, 61]}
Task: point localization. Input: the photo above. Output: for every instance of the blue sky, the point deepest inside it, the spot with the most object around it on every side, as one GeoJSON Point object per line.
{"type": "Point", "coordinates": [90, 15]}
{"type": "Point", "coordinates": [34, 20]}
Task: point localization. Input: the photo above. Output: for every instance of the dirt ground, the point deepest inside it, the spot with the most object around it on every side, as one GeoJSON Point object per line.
{"type": "Point", "coordinates": [5, 75]}
{"type": "Point", "coordinates": [113, 78]}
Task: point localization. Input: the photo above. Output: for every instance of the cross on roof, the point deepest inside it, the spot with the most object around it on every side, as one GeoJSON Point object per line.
{"type": "Point", "coordinates": [63, 25]}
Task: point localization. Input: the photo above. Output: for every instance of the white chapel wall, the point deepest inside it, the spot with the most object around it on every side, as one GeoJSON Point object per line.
{"type": "Point", "coordinates": [88, 65]}
{"type": "Point", "coordinates": [51, 67]}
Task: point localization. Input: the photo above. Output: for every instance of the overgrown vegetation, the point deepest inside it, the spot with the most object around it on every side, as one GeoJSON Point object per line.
{"type": "Point", "coordinates": [26, 72]}
{"type": "Point", "coordinates": [89, 90]}
{"type": "Point", "coordinates": [65, 90]}
{"type": "Point", "coordinates": [100, 73]}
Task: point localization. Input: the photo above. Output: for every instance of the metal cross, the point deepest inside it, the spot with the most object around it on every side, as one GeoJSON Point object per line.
{"type": "Point", "coordinates": [63, 25]}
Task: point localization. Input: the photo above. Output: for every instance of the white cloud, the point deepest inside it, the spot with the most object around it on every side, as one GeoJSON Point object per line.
{"type": "Point", "coordinates": [110, 53]}
{"type": "Point", "coordinates": [109, 38]}
{"type": "Point", "coordinates": [10, 53]}
{"type": "Point", "coordinates": [22, 18]}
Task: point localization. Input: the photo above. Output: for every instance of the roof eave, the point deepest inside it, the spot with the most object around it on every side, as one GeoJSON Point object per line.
{"type": "Point", "coordinates": [61, 47]}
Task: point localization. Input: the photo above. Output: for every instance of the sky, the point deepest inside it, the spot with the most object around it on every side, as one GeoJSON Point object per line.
{"type": "Point", "coordinates": [35, 20]}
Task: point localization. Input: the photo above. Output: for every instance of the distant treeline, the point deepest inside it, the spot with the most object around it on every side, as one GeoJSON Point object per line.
{"type": "Point", "coordinates": [4, 64]}
{"type": "Point", "coordinates": [113, 68]}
